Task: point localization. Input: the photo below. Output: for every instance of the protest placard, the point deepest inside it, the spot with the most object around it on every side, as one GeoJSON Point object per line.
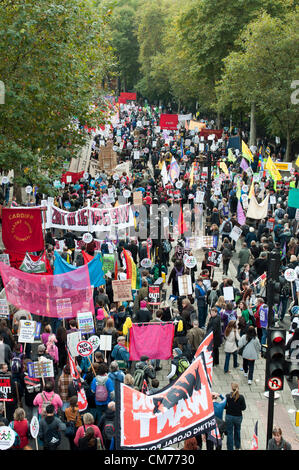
{"type": "Point", "coordinates": [122, 290]}
{"type": "Point", "coordinates": [85, 322]}
{"type": "Point", "coordinates": [27, 331]}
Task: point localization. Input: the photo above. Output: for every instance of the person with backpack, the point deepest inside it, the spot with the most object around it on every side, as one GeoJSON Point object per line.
{"type": "Point", "coordinates": [225, 228]}
{"type": "Point", "coordinates": [47, 397]}
{"type": "Point", "coordinates": [177, 270]}
{"type": "Point", "coordinates": [115, 374]}
{"type": "Point", "coordinates": [179, 364]}
{"type": "Point", "coordinates": [107, 426]}
{"type": "Point", "coordinates": [73, 420]}
{"type": "Point", "coordinates": [103, 388]}
{"type": "Point", "coordinates": [121, 354]}
{"type": "Point", "coordinates": [250, 347]}
{"type": "Point", "coordinates": [50, 428]}
{"type": "Point", "coordinates": [227, 253]}
{"type": "Point", "coordinates": [143, 372]}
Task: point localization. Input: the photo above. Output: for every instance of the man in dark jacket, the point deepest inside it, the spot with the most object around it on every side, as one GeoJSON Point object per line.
{"type": "Point", "coordinates": [107, 426]}
{"type": "Point", "coordinates": [50, 429]}
{"type": "Point", "coordinates": [214, 326]}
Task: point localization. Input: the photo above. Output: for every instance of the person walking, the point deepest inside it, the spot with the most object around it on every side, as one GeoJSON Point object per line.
{"type": "Point", "coordinates": [231, 337]}
{"type": "Point", "coordinates": [235, 405]}
{"type": "Point", "coordinates": [214, 326]}
{"type": "Point", "coordinates": [251, 350]}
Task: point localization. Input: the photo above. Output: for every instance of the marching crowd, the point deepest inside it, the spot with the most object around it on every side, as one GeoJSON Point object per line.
{"type": "Point", "coordinates": [239, 324]}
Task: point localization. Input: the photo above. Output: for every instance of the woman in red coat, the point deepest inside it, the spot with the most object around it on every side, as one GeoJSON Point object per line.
{"type": "Point", "coordinates": [21, 426]}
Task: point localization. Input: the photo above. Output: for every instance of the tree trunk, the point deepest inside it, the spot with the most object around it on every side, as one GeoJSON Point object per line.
{"type": "Point", "coordinates": [288, 155]}
{"type": "Point", "coordinates": [218, 120]}
{"type": "Point", "coordinates": [252, 138]}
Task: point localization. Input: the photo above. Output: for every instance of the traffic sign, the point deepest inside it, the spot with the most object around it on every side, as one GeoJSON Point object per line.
{"type": "Point", "coordinates": [275, 383]}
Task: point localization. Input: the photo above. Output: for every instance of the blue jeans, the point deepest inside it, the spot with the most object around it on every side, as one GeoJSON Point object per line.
{"type": "Point", "coordinates": [264, 336]}
{"type": "Point", "coordinates": [233, 428]}
{"type": "Point", "coordinates": [248, 366]}
{"type": "Point", "coordinates": [227, 359]}
{"type": "Point", "coordinates": [202, 315]}
{"type": "Point", "coordinates": [284, 305]}
{"type": "Point", "coordinates": [100, 410]}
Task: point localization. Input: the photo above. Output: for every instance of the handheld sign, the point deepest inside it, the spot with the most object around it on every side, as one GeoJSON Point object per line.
{"type": "Point", "coordinates": [190, 261]}
{"type": "Point", "coordinates": [84, 348]}
{"type": "Point", "coordinates": [290, 275]}
{"type": "Point", "coordinates": [95, 342]}
{"type": "Point", "coordinates": [34, 427]}
{"type": "Point", "coordinates": [28, 189]}
{"type": "Point", "coordinates": [7, 437]}
{"type": "Point", "coordinates": [87, 237]}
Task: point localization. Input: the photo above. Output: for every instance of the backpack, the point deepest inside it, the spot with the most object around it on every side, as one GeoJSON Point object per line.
{"type": "Point", "coordinates": [101, 392]}
{"type": "Point", "coordinates": [183, 364]}
{"type": "Point", "coordinates": [52, 439]}
{"type": "Point", "coordinates": [227, 227]}
{"type": "Point", "coordinates": [71, 428]}
{"type": "Point", "coordinates": [138, 378]}
{"type": "Point", "coordinates": [45, 403]}
{"type": "Point", "coordinates": [17, 363]}
{"type": "Point", "coordinates": [109, 429]}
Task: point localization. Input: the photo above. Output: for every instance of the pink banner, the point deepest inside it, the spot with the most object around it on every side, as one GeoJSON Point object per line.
{"type": "Point", "coordinates": [153, 340]}
{"type": "Point", "coordinates": [59, 296]}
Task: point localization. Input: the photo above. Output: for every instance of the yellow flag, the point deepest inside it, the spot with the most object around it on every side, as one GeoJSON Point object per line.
{"type": "Point", "coordinates": [246, 152]}
{"type": "Point", "coordinates": [224, 168]}
{"type": "Point", "coordinates": [251, 192]}
{"type": "Point", "coordinates": [297, 161]}
{"type": "Point", "coordinates": [275, 175]}
{"type": "Point", "coordinates": [192, 174]}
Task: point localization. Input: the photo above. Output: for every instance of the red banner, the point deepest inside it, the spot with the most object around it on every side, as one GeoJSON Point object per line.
{"type": "Point", "coordinates": [168, 417]}
{"type": "Point", "coordinates": [22, 230]}
{"type": "Point", "coordinates": [70, 178]}
{"type": "Point", "coordinates": [206, 132]}
{"type": "Point", "coordinates": [169, 121]}
{"type": "Point", "coordinates": [128, 96]}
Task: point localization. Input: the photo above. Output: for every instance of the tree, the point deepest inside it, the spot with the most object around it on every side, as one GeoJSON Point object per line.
{"type": "Point", "coordinates": [262, 73]}
{"type": "Point", "coordinates": [53, 57]}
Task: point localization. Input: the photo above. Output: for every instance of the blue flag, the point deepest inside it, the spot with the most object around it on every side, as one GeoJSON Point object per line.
{"type": "Point", "coordinates": [95, 269]}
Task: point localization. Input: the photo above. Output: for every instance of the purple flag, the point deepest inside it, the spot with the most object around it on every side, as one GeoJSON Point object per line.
{"type": "Point", "coordinates": [244, 165]}
{"type": "Point", "coordinates": [240, 214]}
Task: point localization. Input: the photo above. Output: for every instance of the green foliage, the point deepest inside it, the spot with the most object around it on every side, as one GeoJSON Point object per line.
{"type": "Point", "coordinates": [53, 58]}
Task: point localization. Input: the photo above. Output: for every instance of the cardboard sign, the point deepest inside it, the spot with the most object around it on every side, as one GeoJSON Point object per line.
{"type": "Point", "coordinates": [235, 233]}
{"type": "Point", "coordinates": [72, 340]}
{"type": "Point", "coordinates": [42, 368]}
{"type": "Point", "coordinates": [4, 308]}
{"type": "Point", "coordinates": [122, 290]}
{"type": "Point", "coordinates": [85, 322]}
{"type": "Point", "coordinates": [27, 331]}
{"type": "Point", "coordinates": [105, 342]}
{"type": "Point", "coordinates": [137, 198]}
{"type": "Point", "coordinates": [185, 285]}
{"type": "Point", "coordinates": [228, 293]}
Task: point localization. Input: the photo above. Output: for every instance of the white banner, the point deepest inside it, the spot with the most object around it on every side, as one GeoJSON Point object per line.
{"type": "Point", "coordinates": [90, 219]}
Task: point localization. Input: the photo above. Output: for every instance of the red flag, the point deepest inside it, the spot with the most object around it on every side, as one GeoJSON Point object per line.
{"type": "Point", "coordinates": [22, 230]}
{"type": "Point", "coordinates": [86, 257]}
{"type": "Point", "coordinates": [182, 227]}
{"type": "Point", "coordinates": [144, 387]}
{"type": "Point", "coordinates": [82, 400]}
